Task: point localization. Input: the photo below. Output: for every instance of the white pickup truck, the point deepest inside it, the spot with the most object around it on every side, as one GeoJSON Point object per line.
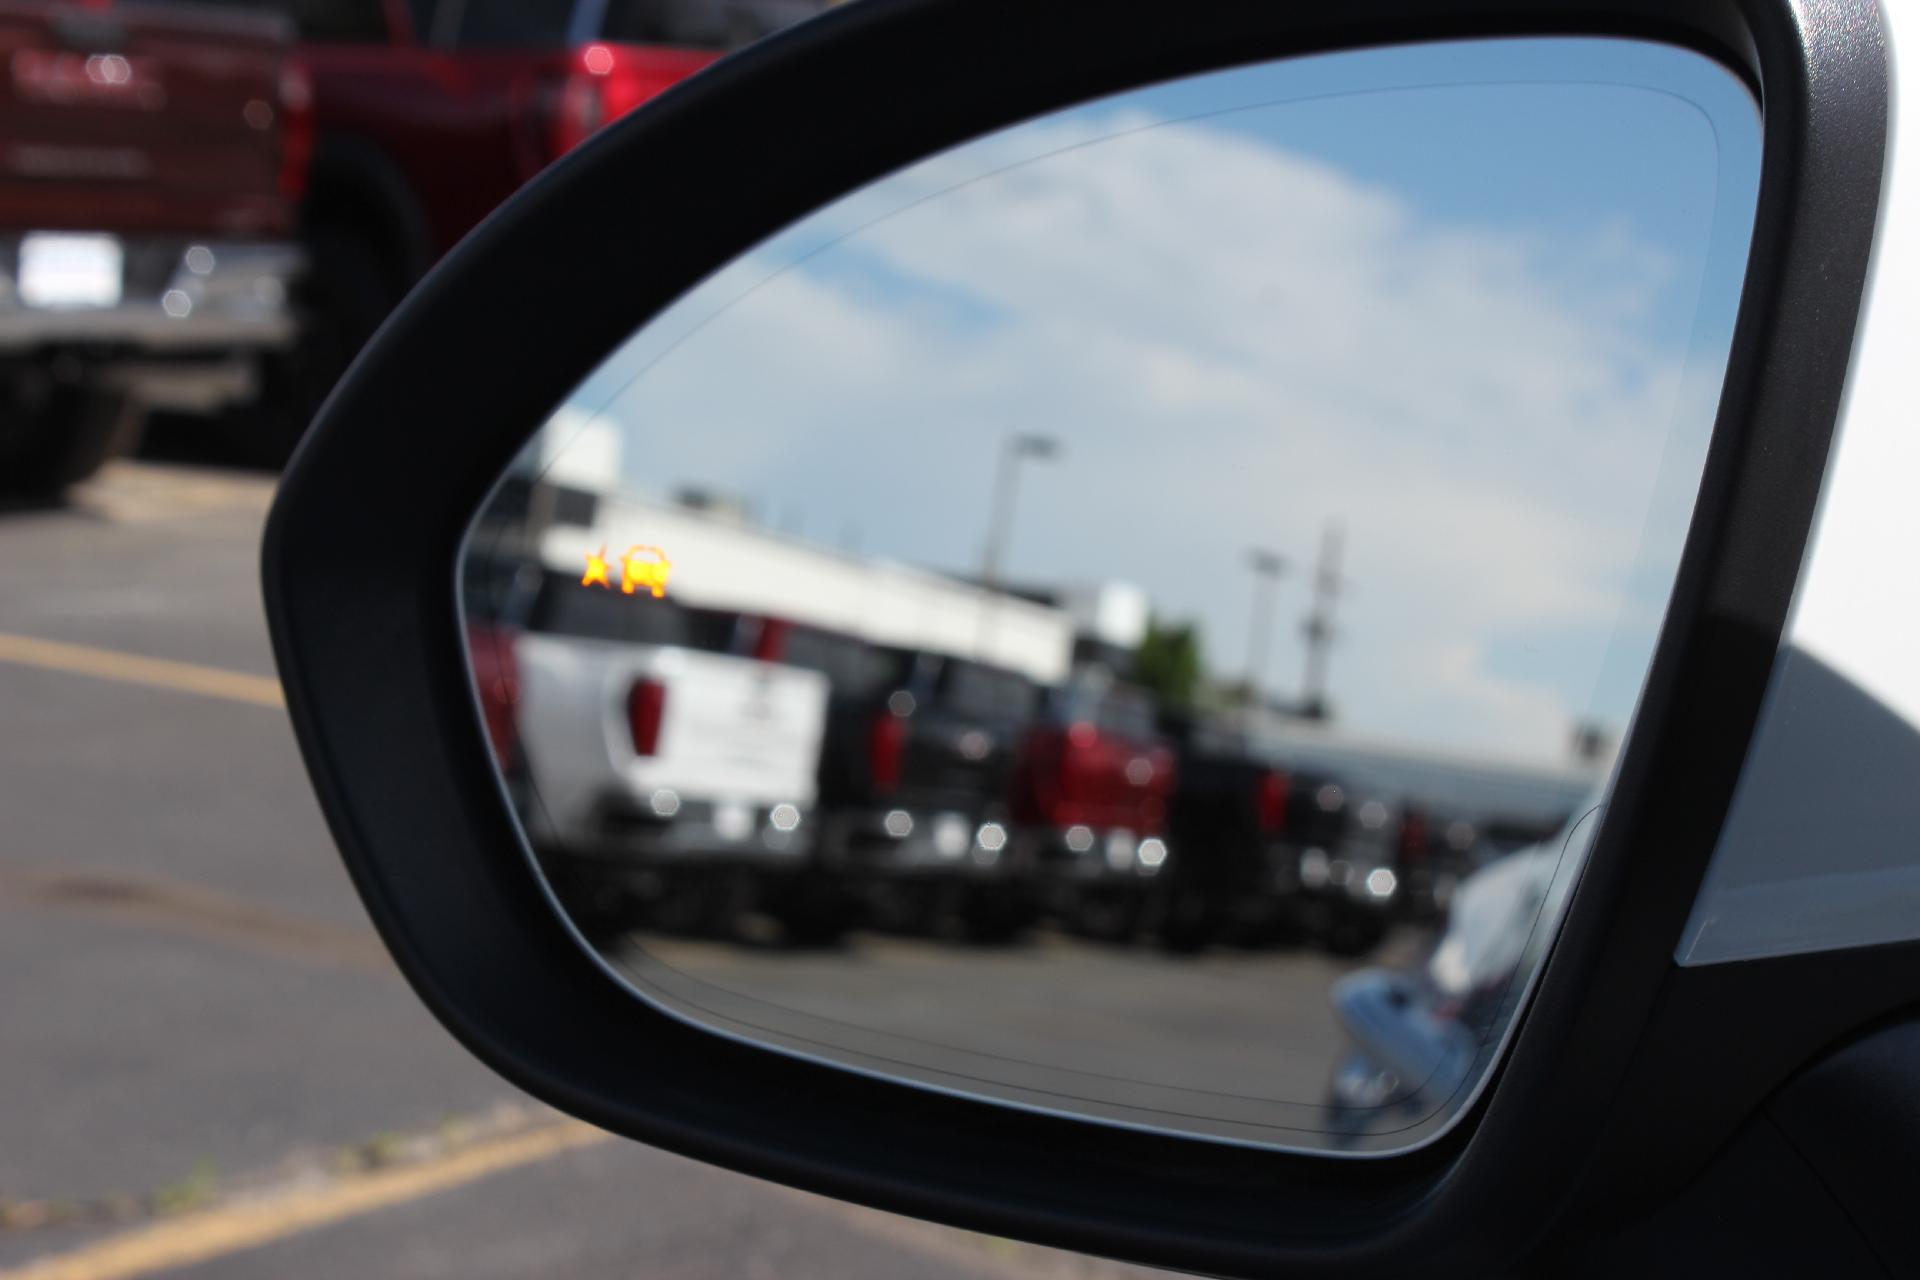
{"type": "Point", "coordinates": [662, 776]}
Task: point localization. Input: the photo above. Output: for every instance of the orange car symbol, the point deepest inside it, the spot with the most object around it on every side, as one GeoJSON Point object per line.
{"type": "Point", "coordinates": [651, 574]}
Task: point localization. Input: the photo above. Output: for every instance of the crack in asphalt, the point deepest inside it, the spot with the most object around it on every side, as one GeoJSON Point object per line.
{"type": "Point", "coordinates": [199, 913]}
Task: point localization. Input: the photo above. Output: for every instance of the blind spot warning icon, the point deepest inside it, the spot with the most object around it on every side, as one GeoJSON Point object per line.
{"type": "Point", "coordinates": [651, 574]}
{"type": "Point", "coordinates": [596, 569]}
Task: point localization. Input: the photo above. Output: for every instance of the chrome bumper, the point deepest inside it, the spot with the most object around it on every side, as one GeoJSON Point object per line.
{"type": "Point", "coordinates": [177, 296]}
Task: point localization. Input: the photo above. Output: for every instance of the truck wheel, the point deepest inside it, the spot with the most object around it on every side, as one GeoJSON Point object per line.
{"type": "Point", "coordinates": [819, 924]}
{"type": "Point", "coordinates": [811, 913]}
{"type": "Point", "coordinates": [696, 903]}
{"type": "Point", "coordinates": [64, 436]}
{"type": "Point", "coordinates": [598, 904]}
{"type": "Point", "coordinates": [1353, 932]}
{"type": "Point", "coordinates": [905, 907]}
{"type": "Point", "coordinates": [992, 916]}
{"type": "Point", "coordinates": [1188, 921]}
{"type": "Point", "coordinates": [1106, 915]}
{"type": "Point", "coordinates": [344, 295]}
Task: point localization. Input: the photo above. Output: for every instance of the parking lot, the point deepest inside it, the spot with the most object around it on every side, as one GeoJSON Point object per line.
{"type": "Point", "coordinates": [211, 1068]}
{"type": "Point", "coordinates": [1249, 1023]}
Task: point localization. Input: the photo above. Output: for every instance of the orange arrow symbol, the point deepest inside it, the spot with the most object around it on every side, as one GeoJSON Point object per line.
{"type": "Point", "coordinates": [597, 568]}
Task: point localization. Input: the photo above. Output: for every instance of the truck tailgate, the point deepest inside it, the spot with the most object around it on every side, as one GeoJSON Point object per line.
{"type": "Point", "coordinates": [734, 728]}
{"type": "Point", "coordinates": [729, 729]}
{"type": "Point", "coordinates": [142, 117]}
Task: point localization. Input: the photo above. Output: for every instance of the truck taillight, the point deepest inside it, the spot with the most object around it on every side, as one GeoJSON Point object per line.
{"type": "Point", "coordinates": [579, 108]}
{"type": "Point", "coordinates": [1271, 801]}
{"type": "Point", "coordinates": [601, 84]}
{"type": "Point", "coordinates": [646, 707]}
{"type": "Point", "coordinates": [497, 673]}
{"type": "Point", "coordinates": [886, 748]}
{"type": "Point", "coordinates": [296, 129]}
{"type": "Point", "coordinates": [770, 641]}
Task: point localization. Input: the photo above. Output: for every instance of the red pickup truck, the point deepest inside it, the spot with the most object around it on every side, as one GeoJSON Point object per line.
{"type": "Point", "coordinates": [1090, 791]}
{"type": "Point", "coordinates": [428, 113]}
{"type": "Point", "coordinates": [151, 161]}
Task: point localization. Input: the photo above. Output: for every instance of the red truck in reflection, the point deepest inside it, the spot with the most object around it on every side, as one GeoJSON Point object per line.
{"type": "Point", "coordinates": [431, 112]}
{"type": "Point", "coordinates": [1090, 788]}
{"type": "Point", "coordinates": [151, 159]}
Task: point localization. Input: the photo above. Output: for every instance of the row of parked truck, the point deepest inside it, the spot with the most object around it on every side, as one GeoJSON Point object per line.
{"type": "Point", "coordinates": [677, 767]}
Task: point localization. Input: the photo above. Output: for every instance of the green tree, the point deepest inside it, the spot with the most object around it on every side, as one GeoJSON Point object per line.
{"type": "Point", "coordinates": [1168, 661]}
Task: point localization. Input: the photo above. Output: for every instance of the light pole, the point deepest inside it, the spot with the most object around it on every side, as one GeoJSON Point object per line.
{"type": "Point", "coordinates": [1006, 480]}
{"type": "Point", "coordinates": [1319, 626]}
{"type": "Point", "coordinates": [1268, 567]}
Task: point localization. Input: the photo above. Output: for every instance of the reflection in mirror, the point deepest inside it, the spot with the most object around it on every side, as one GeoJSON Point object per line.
{"type": "Point", "coordinates": [1134, 615]}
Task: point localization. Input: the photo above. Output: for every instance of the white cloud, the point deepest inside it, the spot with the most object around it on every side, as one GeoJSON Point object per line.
{"type": "Point", "coordinates": [1236, 344]}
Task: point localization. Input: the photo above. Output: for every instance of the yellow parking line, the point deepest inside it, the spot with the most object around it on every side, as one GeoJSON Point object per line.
{"type": "Point", "coordinates": [160, 673]}
{"type": "Point", "coordinates": [198, 1237]}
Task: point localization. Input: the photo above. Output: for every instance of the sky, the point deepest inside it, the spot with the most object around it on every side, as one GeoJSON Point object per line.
{"type": "Point", "coordinates": [1471, 301]}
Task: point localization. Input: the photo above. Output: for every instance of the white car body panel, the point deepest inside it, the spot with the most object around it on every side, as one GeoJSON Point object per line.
{"type": "Point", "coordinates": [733, 730]}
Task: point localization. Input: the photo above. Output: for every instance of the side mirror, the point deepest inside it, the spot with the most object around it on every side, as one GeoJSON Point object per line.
{"type": "Point", "coordinates": [1127, 626]}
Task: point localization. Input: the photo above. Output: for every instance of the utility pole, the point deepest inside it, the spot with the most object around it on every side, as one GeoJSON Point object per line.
{"type": "Point", "coordinates": [1319, 628]}
{"type": "Point", "coordinates": [1267, 566]}
{"type": "Point", "coordinates": [1006, 481]}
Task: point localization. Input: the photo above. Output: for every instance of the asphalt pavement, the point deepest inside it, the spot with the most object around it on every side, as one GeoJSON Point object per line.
{"type": "Point", "coordinates": [210, 1067]}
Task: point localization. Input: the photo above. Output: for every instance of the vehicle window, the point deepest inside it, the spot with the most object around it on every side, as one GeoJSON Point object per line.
{"type": "Point", "coordinates": [322, 21]}
{"type": "Point", "coordinates": [719, 630]}
{"type": "Point", "coordinates": [985, 691]}
{"type": "Point", "coordinates": [563, 609]}
{"type": "Point", "coordinates": [421, 13]}
{"type": "Point", "coordinates": [1109, 708]}
{"type": "Point", "coordinates": [1126, 713]}
{"type": "Point", "coordinates": [1067, 704]}
{"type": "Point", "coordinates": [853, 666]}
{"type": "Point", "coordinates": [510, 24]}
{"type": "Point", "coordinates": [702, 24]}
{"type": "Point", "coordinates": [1349, 411]}
{"type": "Point", "coordinates": [346, 21]}
{"type": "Point", "coordinates": [504, 590]}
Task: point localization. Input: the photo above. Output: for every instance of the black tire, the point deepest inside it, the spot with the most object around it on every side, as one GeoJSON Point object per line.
{"type": "Point", "coordinates": [1353, 932]}
{"type": "Point", "coordinates": [992, 916]}
{"type": "Point", "coordinates": [811, 913]}
{"type": "Point", "coordinates": [1188, 921]}
{"type": "Point", "coordinates": [905, 907]}
{"type": "Point", "coordinates": [702, 903]}
{"type": "Point", "coordinates": [344, 295]}
{"type": "Point", "coordinates": [1107, 915]}
{"type": "Point", "coordinates": [58, 437]}
{"type": "Point", "coordinates": [597, 904]}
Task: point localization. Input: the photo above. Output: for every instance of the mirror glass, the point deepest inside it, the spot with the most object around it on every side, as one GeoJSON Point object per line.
{"type": "Point", "coordinates": [1134, 615]}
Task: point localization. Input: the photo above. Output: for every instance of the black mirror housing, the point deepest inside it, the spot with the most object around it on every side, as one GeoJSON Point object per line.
{"type": "Point", "coordinates": [364, 538]}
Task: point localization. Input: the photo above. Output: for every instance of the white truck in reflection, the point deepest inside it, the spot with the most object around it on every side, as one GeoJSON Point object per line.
{"type": "Point", "coordinates": [664, 781]}
{"type": "Point", "coordinates": [1418, 1037]}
